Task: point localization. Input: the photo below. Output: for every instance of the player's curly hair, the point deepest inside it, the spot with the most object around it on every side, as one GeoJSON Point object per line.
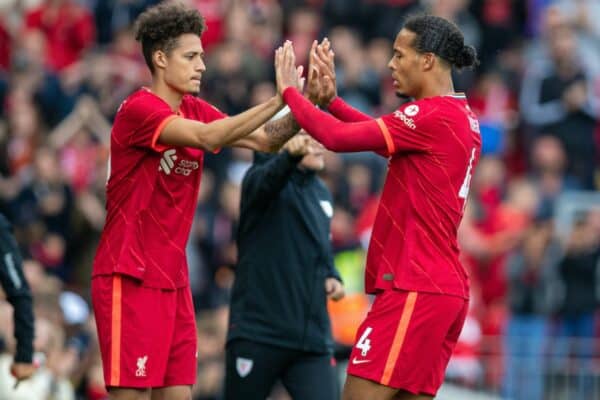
{"type": "Point", "coordinates": [443, 38]}
{"type": "Point", "coordinates": [159, 26]}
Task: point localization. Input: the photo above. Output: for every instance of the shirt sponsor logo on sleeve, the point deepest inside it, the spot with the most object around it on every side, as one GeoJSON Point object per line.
{"type": "Point", "coordinates": [407, 121]}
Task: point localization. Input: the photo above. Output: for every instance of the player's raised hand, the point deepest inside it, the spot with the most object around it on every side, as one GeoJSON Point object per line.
{"type": "Point", "coordinates": [322, 59]}
{"type": "Point", "coordinates": [325, 54]}
{"type": "Point", "coordinates": [298, 145]}
{"type": "Point", "coordinates": [329, 80]}
{"type": "Point", "coordinates": [313, 85]}
{"type": "Point", "coordinates": [286, 73]}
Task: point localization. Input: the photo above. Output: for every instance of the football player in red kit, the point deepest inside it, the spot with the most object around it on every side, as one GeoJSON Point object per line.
{"type": "Point", "coordinates": [433, 144]}
{"type": "Point", "coordinates": [140, 289]}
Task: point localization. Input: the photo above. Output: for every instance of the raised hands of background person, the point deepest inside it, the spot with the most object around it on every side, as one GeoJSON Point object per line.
{"type": "Point", "coordinates": [286, 72]}
{"type": "Point", "coordinates": [321, 86]}
{"type": "Point", "coordinates": [298, 145]}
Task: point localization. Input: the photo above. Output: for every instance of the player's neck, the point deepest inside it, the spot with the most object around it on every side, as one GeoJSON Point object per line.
{"type": "Point", "coordinates": [167, 93]}
{"type": "Point", "coordinates": [441, 86]}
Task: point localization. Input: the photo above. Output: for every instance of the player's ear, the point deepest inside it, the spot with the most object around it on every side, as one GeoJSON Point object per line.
{"type": "Point", "coordinates": [159, 58]}
{"type": "Point", "coordinates": [428, 61]}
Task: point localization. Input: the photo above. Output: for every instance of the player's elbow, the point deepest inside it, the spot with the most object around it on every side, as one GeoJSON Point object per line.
{"type": "Point", "coordinates": [208, 139]}
{"type": "Point", "coordinates": [211, 145]}
{"type": "Point", "coordinates": [207, 144]}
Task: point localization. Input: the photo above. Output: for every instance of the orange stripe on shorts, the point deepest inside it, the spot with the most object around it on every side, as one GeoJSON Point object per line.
{"type": "Point", "coordinates": [409, 306]}
{"type": "Point", "coordinates": [389, 142]}
{"type": "Point", "coordinates": [115, 342]}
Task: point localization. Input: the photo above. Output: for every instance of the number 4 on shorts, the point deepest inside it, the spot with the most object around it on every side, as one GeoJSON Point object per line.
{"type": "Point", "coordinates": [364, 344]}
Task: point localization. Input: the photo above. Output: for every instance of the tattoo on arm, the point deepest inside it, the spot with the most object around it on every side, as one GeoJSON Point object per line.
{"type": "Point", "coordinates": [280, 131]}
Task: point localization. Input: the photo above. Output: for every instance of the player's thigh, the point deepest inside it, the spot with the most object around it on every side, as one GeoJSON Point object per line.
{"type": "Point", "coordinates": [134, 350]}
{"type": "Point", "coordinates": [181, 392]}
{"type": "Point", "coordinates": [402, 395]}
{"type": "Point", "coordinates": [117, 393]}
{"type": "Point", "coordinates": [182, 363]}
{"type": "Point", "coordinates": [358, 388]}
{"type": "Point", "coordinates": [251, 369]}
{"type": "Point", "coordinates": [312, 376]}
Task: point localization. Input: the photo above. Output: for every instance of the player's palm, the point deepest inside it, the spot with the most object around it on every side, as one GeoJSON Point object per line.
{"type": "Point", "coordinates": [313, 86]}
{"type": "Point", "coordinates": [323, 59]}
{"type": "Point", "coordinates": [286, 73]}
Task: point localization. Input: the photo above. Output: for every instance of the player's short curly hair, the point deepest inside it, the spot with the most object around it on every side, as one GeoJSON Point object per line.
{"type": "Point", "coordinates": [159, 26]}
{"type": "Point", "coordinates": [443, 38]}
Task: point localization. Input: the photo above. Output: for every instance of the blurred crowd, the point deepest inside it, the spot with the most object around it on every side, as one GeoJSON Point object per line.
{"type": "Point", "coordinates": [531, 233]}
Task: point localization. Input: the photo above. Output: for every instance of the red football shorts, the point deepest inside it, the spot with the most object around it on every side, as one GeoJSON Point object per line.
{"type": "Point", "coordinates": [406, 340]}
{"type": "Point", "coordinates": [147, 336]}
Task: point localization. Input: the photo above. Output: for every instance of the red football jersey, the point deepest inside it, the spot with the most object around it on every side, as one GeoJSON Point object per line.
{"type": "Point", "coordinates": [433, 145]}
{"type": "Point", "coordinates": [151, 194]}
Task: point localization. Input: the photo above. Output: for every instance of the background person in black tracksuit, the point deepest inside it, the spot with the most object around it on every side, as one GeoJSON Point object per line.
{"type": "Point", "coordinates": [18, 295]}
{"type": "Point", "coordinates": [279, 328]}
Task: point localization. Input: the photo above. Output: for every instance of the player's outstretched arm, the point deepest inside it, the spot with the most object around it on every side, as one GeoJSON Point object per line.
{"type": "Point", "coordinates": [231, 130]}
{"type": "Point", "coordinates": [270, 137]}
{"type": "Point", "coordinates": [334, 134]}
{"type": "Point", "coordinates": [216, 134]}
{"type": "Point", "coordinates": [274, 134]}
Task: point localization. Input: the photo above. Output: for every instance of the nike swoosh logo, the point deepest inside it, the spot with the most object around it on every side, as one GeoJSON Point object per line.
{"type": "Point", "coordinates": [355, 361]}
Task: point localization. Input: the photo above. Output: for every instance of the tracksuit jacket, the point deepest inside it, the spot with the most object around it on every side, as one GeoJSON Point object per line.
{"type": "Point", "coordinates": [285, 255]}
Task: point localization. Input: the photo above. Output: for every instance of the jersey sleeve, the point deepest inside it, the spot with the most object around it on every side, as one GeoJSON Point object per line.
{"type": "Point", "coordinates": [332, 133]}
{"type": "Point", "coordinates": [345, 112]}
{"type": "Point", "coordinates": [413, 127]}
{"type": "Point", "coordinates": [142, 120]}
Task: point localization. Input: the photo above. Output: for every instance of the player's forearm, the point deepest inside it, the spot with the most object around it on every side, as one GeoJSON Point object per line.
{"type": "Point", "coordinates": [280, 131]}
{"type": "Point", "coordinates": [219, 133]}
{"type": "Point", "coordinates": [343, 111]}
{"type": "Point", "coordinates": [334, 134]}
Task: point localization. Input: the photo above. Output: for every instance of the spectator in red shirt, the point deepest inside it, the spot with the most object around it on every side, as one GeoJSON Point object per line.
{"type": "Point", "coordinates": [69, 30]}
